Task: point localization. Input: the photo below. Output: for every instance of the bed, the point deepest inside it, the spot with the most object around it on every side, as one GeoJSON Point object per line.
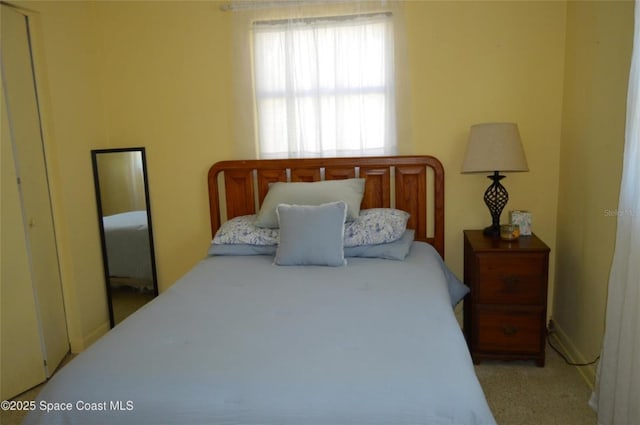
{"type": "Point", "coordinates": [242, 340]}
{"type": "Point", "coordinates": [128, 247]}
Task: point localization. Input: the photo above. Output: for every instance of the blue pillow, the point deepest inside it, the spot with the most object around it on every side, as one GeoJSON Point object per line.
{"type": "Point", "coordinates": [396, 250]}
{"type": "Point", "coordinates": [311, 235]}
{"type": "Point", "coordinates": [241, 249]}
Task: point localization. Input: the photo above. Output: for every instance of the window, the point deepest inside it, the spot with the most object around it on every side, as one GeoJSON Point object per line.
{"type": "Point", "coordinates": [325, 86]}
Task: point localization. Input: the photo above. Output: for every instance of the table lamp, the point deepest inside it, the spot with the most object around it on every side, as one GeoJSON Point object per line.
{"type": "Point", "coordinates": [494, 147]}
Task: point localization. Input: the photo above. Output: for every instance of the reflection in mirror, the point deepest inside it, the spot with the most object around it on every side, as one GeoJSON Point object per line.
{"type": "Point", "coordinates": [124, 217]}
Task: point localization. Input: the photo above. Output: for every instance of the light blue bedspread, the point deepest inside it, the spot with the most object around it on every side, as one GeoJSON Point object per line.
{"type": "Point", "coordinates": [127, 239]}
{"type": "Point", "coordinates": [239, 340]}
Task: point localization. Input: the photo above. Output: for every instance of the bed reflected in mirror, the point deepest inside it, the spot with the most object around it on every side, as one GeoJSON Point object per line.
{"type": "Point", "coordinates": [124, 219]}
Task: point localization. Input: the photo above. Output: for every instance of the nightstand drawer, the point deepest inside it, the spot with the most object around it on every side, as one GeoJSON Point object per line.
{"type": "Point", "coordinates": [511, 279]}
{"type": "Point", "coordinates": [510, 331]}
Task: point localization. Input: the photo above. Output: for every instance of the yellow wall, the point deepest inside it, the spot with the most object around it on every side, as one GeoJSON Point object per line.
{"type": "Point", "coordinates": [473, 62]}
{"type": "Point", "coordinates": [168, 78]}
{"type": "Point", "coordinates": [122, 74]}
{"type": "Point", "coordinates": [158, 74]}
{"type": "Point", "coordinates": [599, 41]}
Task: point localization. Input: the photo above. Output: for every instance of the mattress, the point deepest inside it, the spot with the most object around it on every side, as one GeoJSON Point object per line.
{"type": "Point", "coordinates": [239, 340]}
{"type": "Point", "coordinates": [128, 248]}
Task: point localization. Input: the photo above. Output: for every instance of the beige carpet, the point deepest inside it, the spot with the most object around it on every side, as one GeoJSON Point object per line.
{"type": "Point", "coordinates": [519, 393]}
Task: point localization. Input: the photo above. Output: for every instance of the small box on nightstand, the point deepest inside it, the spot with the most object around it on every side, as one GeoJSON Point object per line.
{"type": "Point", "coordinates": [522, 219]}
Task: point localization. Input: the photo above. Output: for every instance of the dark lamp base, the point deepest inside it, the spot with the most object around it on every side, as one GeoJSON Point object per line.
{"type": "Point", "coordinates": [492, 231]}
{"type": "Point", "coordinates": [495, 198]}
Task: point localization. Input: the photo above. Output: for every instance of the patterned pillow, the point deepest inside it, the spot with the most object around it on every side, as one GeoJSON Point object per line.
{"type": "Point", "coordinates": [242, 230]}
{"type": "Point", "coordinates": [372, 227]}
{"type": "Point", "coordinates": [375, 226]}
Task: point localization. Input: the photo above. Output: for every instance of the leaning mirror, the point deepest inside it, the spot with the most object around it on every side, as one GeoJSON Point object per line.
{"type": "Point", "coordinates": [124, 218]}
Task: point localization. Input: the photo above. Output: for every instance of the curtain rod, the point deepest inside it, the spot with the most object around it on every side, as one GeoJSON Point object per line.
{"type": "Point", "coordinates": [266, 4]}
{"type": "Point", "coordinates": [344, 18]}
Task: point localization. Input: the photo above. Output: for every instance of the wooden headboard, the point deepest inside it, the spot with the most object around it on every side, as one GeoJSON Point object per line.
{"type": "Point", "coordinates": [414, 184]}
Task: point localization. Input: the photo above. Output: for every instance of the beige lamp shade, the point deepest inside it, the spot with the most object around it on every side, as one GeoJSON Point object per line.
{"type": "Point", "coordinates": [494, 147]}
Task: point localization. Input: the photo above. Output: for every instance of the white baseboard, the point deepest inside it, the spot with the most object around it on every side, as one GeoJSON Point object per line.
{"type": "Point", "coordinates": [574, 355]}
{"type": "Point", "coordinates": [79, 345]}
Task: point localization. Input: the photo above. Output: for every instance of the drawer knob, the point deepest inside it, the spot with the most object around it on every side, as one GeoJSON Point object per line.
{"type": "Point", "coordinates": [510, 330]}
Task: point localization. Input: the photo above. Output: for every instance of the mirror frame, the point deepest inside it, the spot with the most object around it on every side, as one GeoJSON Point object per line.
{"type": "Point", "coordinates": [103, 241]}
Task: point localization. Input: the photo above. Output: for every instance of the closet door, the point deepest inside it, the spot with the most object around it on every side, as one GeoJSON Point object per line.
{"type": "Point", "coordinates": [22, 364]}
{"type": "Point", "coordinates": [33, 192]}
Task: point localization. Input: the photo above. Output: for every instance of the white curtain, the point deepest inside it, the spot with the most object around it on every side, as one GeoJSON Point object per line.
{"type": "Point", "coordinates": [325, 86]}
{"type": "Point", "coordinates": [314, 78]}
{"type": "Point", "coordinates": [617, 393]}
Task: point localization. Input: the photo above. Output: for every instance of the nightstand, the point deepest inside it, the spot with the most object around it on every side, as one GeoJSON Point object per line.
{"type": "Point", "coordinates": [505, 312]}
